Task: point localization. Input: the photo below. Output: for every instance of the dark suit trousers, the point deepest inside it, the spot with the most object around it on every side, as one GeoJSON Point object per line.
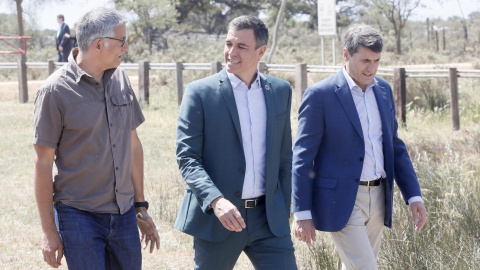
{"type": "Point", "coordinates": [63, 55]}
{"type": "Point", "coordinates": [265, 250]}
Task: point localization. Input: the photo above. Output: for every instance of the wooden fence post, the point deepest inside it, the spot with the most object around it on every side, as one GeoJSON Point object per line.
{"type": "Point", "coordinates": [300, 82]}
{"type": "Point", "coordinates": [22, 79]}
{"type": "Point", "coordinates": [51, 66]}
{"type": "Point", "coordinates": [262, 67]}
{"type": "Point", "coordinates": [216, 67]}
{"type": "Point", "coordinates": [144, 82]}
{"type": "Point", "coordinates": [400, 92]}
{"type": "Point", "coordinates": [453, 77]}
{"type": "Point", "coordinates": [179, 74]}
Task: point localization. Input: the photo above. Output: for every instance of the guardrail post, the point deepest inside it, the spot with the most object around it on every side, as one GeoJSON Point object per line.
{"type": "Point", "coordinates": [144, 82]}
{"type": "Point", "coordinates": [216, 67]}
{"type": "Point", "coordinates": [400, 94]}
{"type": "Point", "coordinates": [22, 79]}
{"type": "Point", "coordinates": [262, 67]}
{"type": "Point", "coordinates": [51, 66]}
{"type": "Point", "coordinates": [453, 77]}
{"type": "Point", "coordinates": [179, 73]}
{"type": "Point", "coordinates": [300, 82]}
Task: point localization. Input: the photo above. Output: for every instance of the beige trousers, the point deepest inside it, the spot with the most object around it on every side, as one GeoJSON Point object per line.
{"type": "Point", "coordinates": [358, 243]}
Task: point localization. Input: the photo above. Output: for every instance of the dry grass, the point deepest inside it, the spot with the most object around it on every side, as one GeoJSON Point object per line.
{"type": "Point", "coordinates": [447, 164]}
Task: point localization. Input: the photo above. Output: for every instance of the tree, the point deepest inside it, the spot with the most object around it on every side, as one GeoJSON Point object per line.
{"type": "Point", "coordinates": [152, 18]}
{"type": "Point", "coordinates": [213, 16]}
{"type": "Point", "coordinates": [397, 13]}
{"type": "Point", "coordinates": [275, 33]}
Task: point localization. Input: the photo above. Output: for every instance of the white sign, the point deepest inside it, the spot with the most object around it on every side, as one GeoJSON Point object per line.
{"type": "Point", "coordinates": [327, 18]}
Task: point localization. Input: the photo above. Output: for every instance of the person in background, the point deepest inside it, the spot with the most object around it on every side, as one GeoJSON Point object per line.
{"type": "Point", "coordinates": [73, 38]}
{"type": "Point", "coordinates": [347, 154]}
{"type": "Point", "coordinates": [85, 120]}
{"type": "Point", "coordinates": [64, 45]}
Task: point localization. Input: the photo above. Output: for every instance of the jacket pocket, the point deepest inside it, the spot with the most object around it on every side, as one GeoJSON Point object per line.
{"type": "Point", "coordinates": [324, 182]}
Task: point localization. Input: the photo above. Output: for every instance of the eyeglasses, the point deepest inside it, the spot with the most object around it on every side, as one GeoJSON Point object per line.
{"type": "Point", "coordinates": [123, 40]}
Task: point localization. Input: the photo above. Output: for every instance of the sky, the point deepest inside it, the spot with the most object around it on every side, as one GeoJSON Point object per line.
{"type": "Point", "coordinates": [45, 15]}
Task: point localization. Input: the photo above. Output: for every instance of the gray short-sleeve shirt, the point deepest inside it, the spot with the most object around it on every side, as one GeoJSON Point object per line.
{"type": "Point", "coordinates": [89, 125]}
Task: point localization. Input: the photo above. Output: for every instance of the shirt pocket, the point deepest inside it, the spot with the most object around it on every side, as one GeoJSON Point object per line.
{"type": "Point", "coordinates": [122, 110]}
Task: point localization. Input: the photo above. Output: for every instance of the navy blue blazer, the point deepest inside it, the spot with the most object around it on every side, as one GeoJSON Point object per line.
{"type": "Point", "coordinates": [329, 150]}
{"type": "Point", "coordinates": [66, 43]}
{"type": "Point", "coordinates": [211, 159]}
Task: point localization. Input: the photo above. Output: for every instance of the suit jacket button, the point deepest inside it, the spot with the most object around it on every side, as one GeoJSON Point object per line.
{"type": "Point", "coordinates": [361, 159]}
{"type": "Point", "coordinates": [357, 180]}
{"type": "Point", "coordinates": [241, 171]}
{"type": "Point", "coordinates": [237, 194]}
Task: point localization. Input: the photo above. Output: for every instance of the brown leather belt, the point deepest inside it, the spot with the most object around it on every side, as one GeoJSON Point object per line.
{"type": "Point", "coordinates": [372, 183]}
{"type": "Point", "coordinates": [251, 203]}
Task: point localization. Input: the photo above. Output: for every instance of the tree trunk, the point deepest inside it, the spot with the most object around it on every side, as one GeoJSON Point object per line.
{"type": "Point", "coordinates": [399, 43]}
{"type": "Point", "coordinates": [21, 29]}
{"type": "Point", "coordinates": [275, 33]}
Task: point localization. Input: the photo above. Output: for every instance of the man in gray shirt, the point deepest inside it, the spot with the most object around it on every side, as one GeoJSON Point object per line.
{"type": "Point", "coordinates": [86, 115]}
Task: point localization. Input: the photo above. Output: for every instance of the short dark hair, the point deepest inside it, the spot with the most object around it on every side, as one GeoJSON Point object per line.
{"type": "Point", "coordinates": [60, 16]}
{"type": "Point", "coordinates": [362, 35]}
{"type": "Point", "coordinates": [259, 28]}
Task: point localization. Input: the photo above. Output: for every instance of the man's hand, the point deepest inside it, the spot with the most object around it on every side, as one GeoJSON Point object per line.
{"type": "Point", "coordinates": [148, 229]}
{"type": "Point", "coordinates": [419, 215]}
{"type": "Point", "coordinates": [305, 231]}
{"type": "Point", "coordinates": [228, 214]}
{"type": "Point", "coordinates": [60, 48]}
{"type": "Point", "coordinates": [52, 244]}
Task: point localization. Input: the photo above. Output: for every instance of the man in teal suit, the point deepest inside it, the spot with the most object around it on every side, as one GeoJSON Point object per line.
{"type": "Point", "coordinates": [347, 154]}
{"type": "Point", "coordinates": [234, 152]}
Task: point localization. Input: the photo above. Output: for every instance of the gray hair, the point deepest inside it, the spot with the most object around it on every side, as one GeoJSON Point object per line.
{"type": "Point", "coordinates": [259, 28]}
{"type": "Point", "coordinates": [362, 35]}
{"type": "Point", "coordinates": [97, 23]}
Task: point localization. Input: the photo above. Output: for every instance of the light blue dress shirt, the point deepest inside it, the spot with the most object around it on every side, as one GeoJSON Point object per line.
{"type": "Point", "coordinates": [252, 113]}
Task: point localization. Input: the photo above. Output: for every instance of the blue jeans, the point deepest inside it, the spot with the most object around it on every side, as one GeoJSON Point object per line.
{"type": "Point", "coordinates": [98, 241]}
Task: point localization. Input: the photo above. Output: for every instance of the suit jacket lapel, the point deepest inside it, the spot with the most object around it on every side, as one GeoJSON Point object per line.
{"type": "Point", "coordinates": [346, 99]}
{"type": "Point", "coordinates": [227, 92]}
{"type": "Point", "coordinates": [384, 107]}
{"type": "Point", "coordinates": [270, 108]}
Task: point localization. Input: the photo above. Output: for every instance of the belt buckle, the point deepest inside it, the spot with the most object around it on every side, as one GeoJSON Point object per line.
{"type": "Point", "coordinates": [254, 203]}
{"type": "Point", "coordinates": [368, 183]}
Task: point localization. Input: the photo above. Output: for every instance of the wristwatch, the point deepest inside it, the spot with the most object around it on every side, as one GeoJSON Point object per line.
{"type": "Point", "coordinates": [141, 204]}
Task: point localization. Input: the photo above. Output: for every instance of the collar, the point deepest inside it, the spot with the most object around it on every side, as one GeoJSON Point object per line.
{"type": "Point", "coordinates": [352, 85]}
{"type": "Point", "coordinates": [79, 72]}
{"type": "Point", "coordinates": [235, 81]}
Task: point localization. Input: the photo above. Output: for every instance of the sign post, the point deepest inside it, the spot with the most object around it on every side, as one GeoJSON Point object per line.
{"type": "Point", "coordinates": [327, 23]}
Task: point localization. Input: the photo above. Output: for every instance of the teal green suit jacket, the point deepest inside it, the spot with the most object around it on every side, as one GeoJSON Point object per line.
{"type": "Point", "coordinates": [211, 159]}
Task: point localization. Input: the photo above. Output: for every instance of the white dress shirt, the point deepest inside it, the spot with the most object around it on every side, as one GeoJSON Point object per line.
{"type": "Point", "coordinates": [252, 113]}
{"type": "Point", "coordinates": [59, 29]}
{"type": "Point", "coordinates": [367, 109]}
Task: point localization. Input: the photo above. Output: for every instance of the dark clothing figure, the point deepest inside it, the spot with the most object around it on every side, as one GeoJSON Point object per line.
{"type": "Point", "coordinates": [64, 45]}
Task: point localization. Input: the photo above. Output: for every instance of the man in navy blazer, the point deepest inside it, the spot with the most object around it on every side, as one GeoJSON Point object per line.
{"type": "Point", "coordinates": [347, 154]}
{"type": "Point", "coordinates": [234, 152]}
{"type": "Point", "coordinates": [64, 44]}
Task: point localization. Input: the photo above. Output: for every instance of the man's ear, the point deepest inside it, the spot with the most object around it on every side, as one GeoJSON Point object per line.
{"type": "Point", "coordinates": [261, 51]}
{"type": "Point", "coordinates": [346, 54]}
{"type": "Point", "coordinates": [97, 44]}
